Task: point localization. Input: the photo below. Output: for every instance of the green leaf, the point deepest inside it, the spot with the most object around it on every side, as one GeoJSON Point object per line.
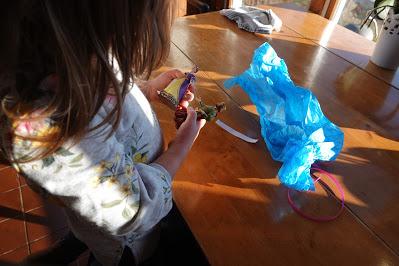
{"type": "Point", "coordinates": [104, 178]}
{"type": "Point", "coordinates": [23, 157]}
{"type": "Point", "coordinates": [134, 150]}
{"type": "Point", "coordinates": [47, 161]}
{"type": "Point", "coordinates": [63, 152]}
{"type": "Point", "coordinates": [135, 189]}
{"type": "Point", "coordinates": [135, 204]}
{"type": "Point", "coordinates": [77, 159]}
{"type": "Point", "coordinates": [127, 213]}
{"type": "Point", "coordinates": [143, 147]}
{"type": "Point", "coordinates": [59, 167]}
{"type": "Point", "coordinates": [379, 3]}
{"type": "Point", "coordinates": [384, 11]}
{"type": "Point", "coordinates": [141, 135]}
{"type": "Point", "coordinates": [111, 203]}
{"type": "Point", "coordinates": [166, 190]}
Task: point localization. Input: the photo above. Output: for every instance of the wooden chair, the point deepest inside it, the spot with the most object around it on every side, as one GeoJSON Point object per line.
{"type": "Point", "coordinates": [324, 8]}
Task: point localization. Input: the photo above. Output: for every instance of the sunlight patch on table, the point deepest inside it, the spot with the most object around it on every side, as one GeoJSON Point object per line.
{"type": "Point", "coordinates": [222, 190]}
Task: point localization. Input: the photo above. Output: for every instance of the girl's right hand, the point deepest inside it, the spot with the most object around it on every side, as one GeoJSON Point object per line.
{"type": "Point", "coordinates": [190, 128]}
{"type": "Point", "coordinates": [178, 149]}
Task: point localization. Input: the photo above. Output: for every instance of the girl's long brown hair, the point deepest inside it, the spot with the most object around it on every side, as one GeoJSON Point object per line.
{"type": "Point", "coordinates": [78, 41]}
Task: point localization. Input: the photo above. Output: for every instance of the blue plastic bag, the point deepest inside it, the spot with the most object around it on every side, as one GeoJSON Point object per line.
{"type": "Point", "coordinates": [295, 129]}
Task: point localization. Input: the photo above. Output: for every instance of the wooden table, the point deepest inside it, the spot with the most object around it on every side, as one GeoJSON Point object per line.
{"type": "Point", "coordinates": [227, 189]}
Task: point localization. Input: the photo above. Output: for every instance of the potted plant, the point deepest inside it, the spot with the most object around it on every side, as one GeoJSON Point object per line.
{"type": "Point", "coordinates": [386, 51]}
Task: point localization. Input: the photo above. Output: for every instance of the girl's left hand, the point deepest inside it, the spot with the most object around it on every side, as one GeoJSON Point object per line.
{"type": "Point", "coordinates": [162, 81]}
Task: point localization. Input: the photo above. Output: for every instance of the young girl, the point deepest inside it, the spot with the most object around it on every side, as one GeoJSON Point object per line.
{"type": "Point", "coordinates": [76, 125]}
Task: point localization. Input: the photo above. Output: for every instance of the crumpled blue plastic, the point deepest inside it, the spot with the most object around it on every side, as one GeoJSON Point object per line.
{"type": "Point", "coordinates": [293, 125]}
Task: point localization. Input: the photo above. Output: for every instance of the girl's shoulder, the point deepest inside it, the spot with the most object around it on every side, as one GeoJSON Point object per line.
{"type": "Point", "coordinates": [28, 134]}
{"type": "Point", "coordinates": [34, 125]}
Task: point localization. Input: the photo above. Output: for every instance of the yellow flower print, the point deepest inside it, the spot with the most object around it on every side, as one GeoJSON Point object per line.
{"type": "Point", "coordinates": [140, 158]}
{"type": "Point", "coordinates": [48, 131]}
{"type": "Point", "coordinates": [102, 166]}
{"type": "Point", "coordinates": [107, 164]}
{"type": "Point", "coordinates": [109, 172]}
{"type": "Point", "coordinates": [126, 190]}
{"type": "Point", "coordinates": [99, 169]}
{"type": "Point", "coordinates": [95, 181]}
{"type": "Point", "coordinates": [112, 180]}
{"type": "Point", "coordinates": [18, 141]}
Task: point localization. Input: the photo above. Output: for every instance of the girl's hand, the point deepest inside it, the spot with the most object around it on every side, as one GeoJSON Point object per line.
{"type": "Point", "coordinates": [190, 128]}
{"type": "Point", "coordinates": [152, 87]}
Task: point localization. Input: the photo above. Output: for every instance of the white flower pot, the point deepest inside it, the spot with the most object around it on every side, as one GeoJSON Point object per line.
{"type": "Point", "coordinates": [386, 51]}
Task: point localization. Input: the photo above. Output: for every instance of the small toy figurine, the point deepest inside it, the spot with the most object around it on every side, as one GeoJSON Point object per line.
{"type": "Point", "coordinates": [173, 95]}
{"type": "Point", "coordinates": [207, 112]}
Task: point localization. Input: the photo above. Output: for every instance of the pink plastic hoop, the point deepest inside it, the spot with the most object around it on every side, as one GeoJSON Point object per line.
{"type": "Point", "coordinates": [322, 218]}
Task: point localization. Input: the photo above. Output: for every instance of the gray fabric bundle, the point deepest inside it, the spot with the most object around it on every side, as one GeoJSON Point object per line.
{"type": "Point", "coordinates": [253, 19]}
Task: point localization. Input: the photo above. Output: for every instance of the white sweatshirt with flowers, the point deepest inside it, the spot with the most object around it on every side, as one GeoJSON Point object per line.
{"type": "Point", "coordinates": [113, 195]}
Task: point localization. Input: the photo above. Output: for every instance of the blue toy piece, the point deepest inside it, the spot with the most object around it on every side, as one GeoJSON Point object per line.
{"type": "Point", "coordinates": [295, 129]}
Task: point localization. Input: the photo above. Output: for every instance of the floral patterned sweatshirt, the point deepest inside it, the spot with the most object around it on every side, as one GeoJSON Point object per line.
{"type": "Point", "coordinates": [114, 196]}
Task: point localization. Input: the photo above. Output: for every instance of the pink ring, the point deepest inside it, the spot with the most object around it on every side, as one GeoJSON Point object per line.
{"type": "Point", "coordinates": [323, 218]}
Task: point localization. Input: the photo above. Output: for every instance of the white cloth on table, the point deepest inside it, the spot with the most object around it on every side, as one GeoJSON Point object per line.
{"type": "Point", "coordinates": [253, 19]}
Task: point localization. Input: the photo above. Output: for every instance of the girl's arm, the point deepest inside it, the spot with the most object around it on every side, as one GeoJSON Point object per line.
{"type": "Point", "coordinates": [173, 157]}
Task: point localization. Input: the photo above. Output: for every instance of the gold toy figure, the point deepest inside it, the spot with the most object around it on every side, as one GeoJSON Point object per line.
{"type": "Point", "coordinates": [174, 93]}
